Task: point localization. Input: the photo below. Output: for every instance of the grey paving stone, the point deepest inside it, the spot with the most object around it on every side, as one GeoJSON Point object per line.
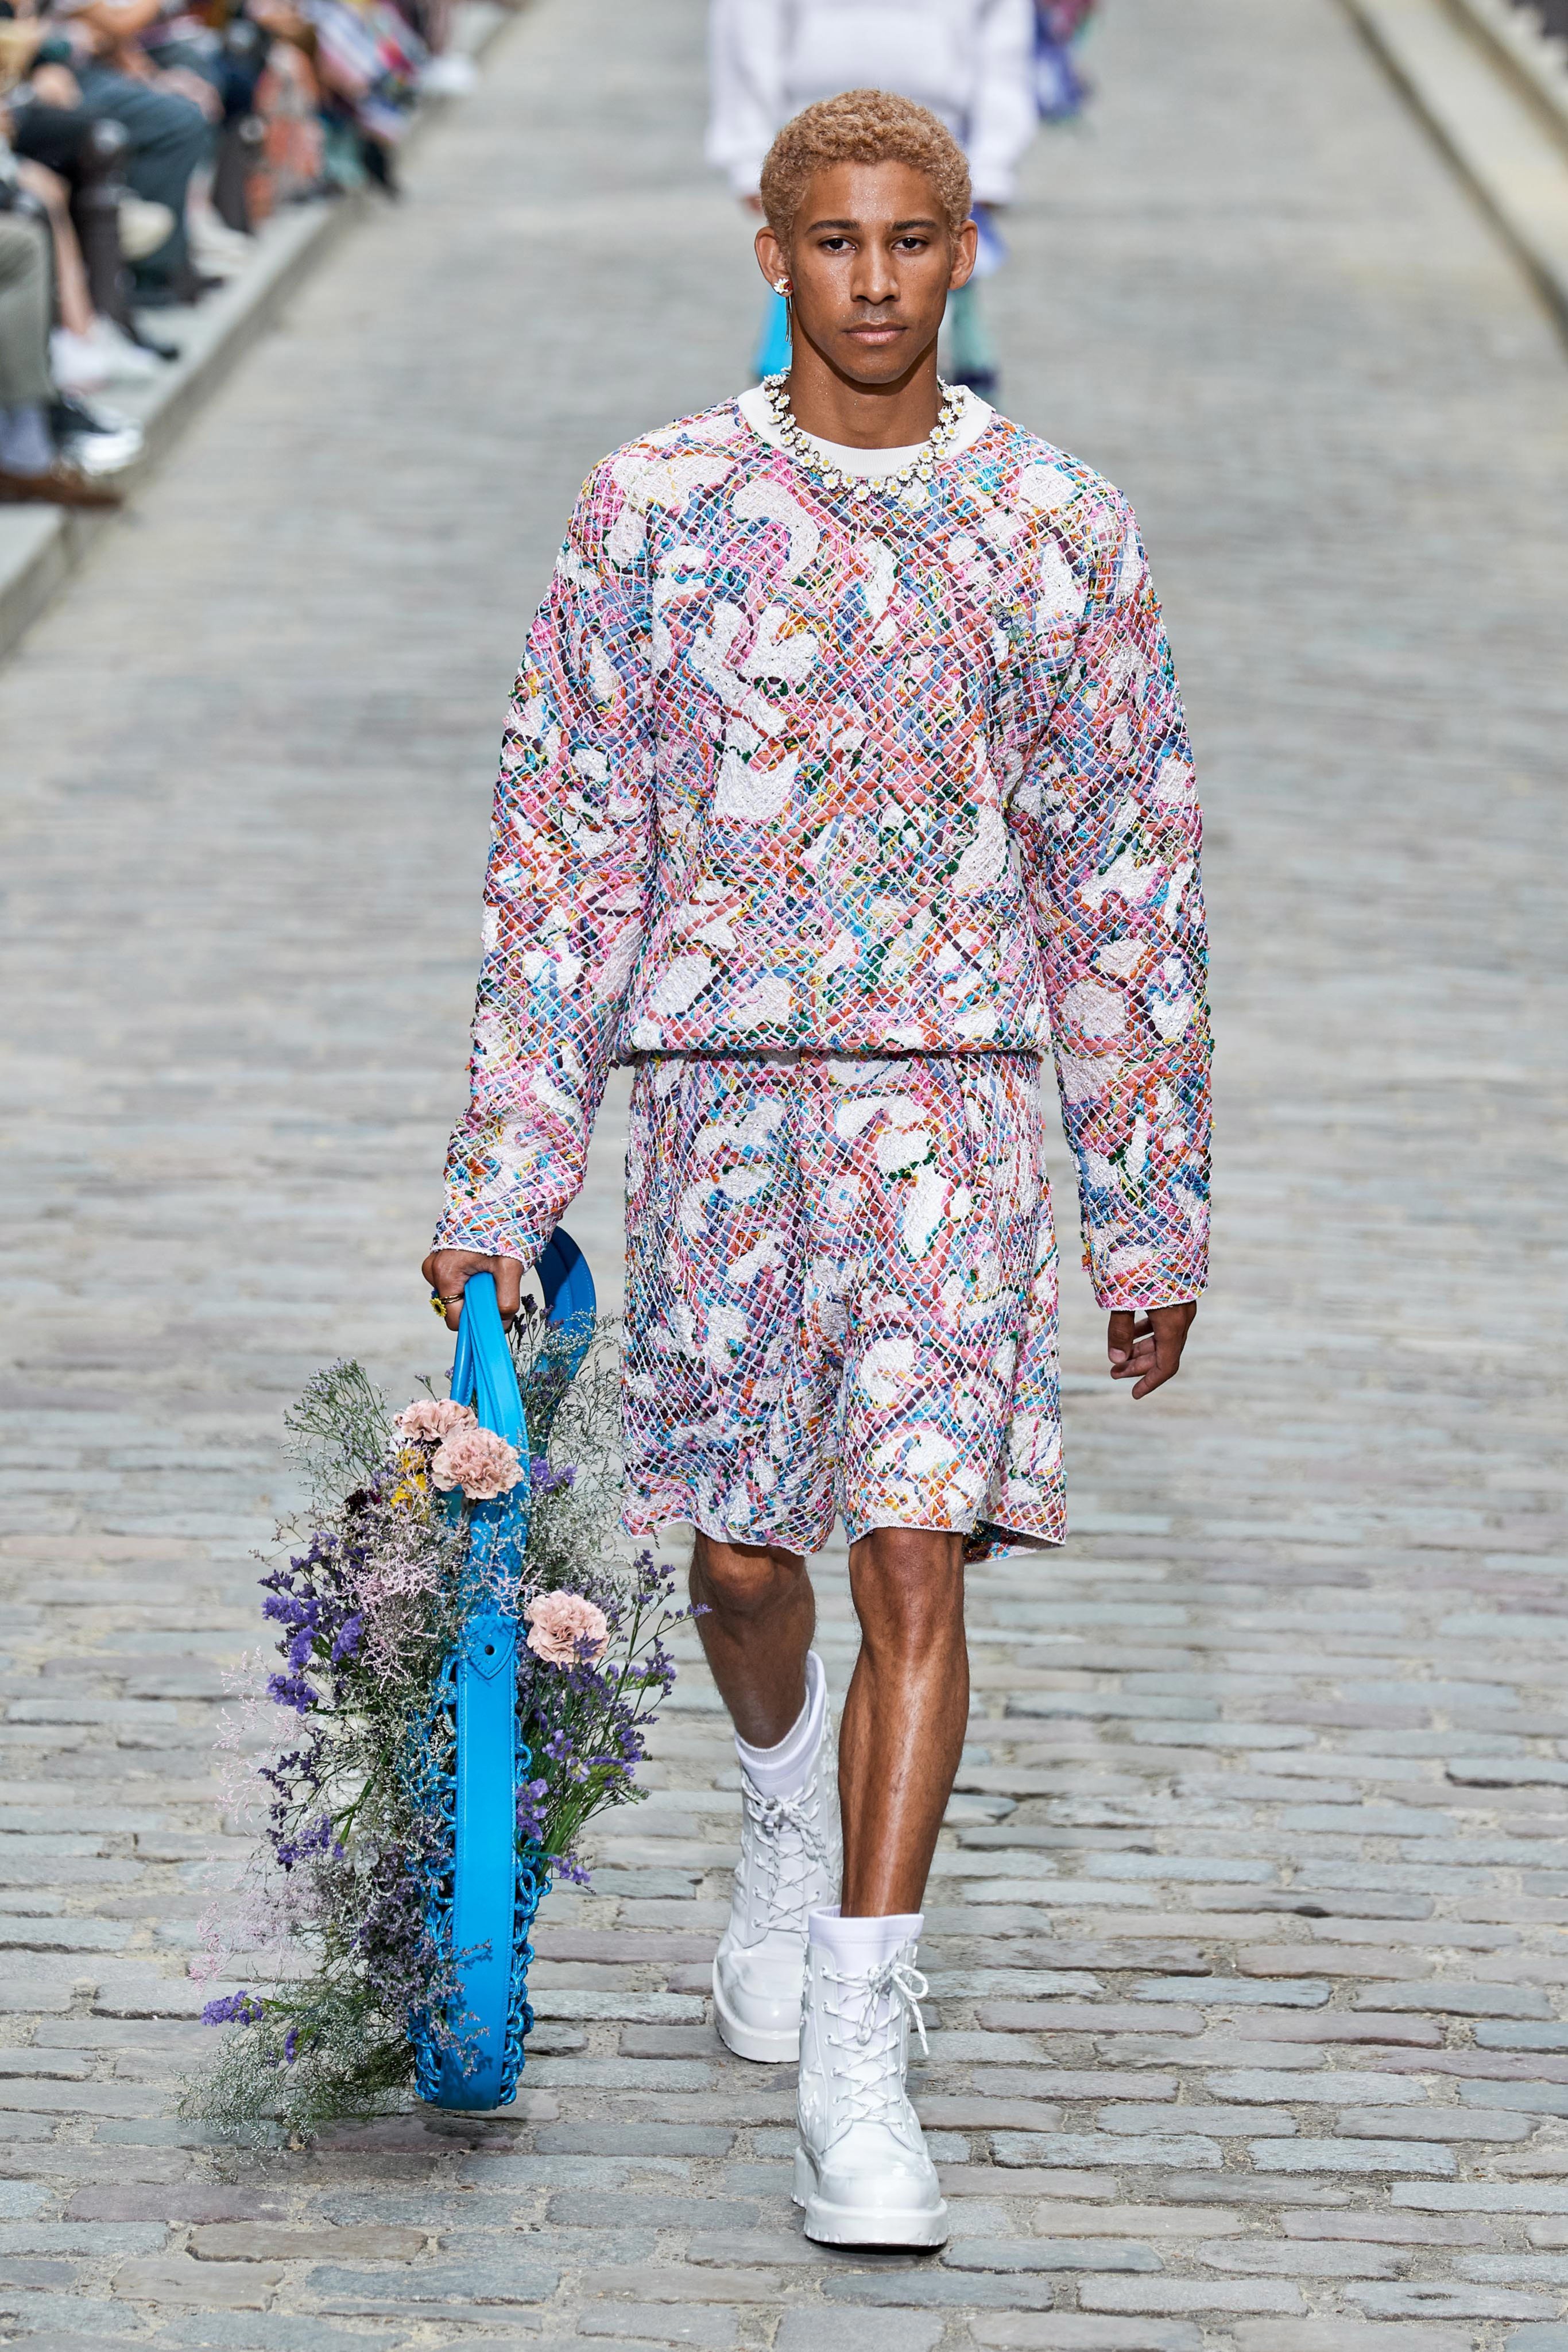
{"type": "Point", "coordinates": [1330, 2089]}
{"type": "Point", "coordinates": [600, 2209]}
{"type": "Point", "coordinates": [1545, 2269]}
{"type": "Point", "coordinates": [632, 2139]}
{"type": "Point", "coordinates": [1392, 2229]}
{"type": "Point", "coordinates": [654, 2322]}
{"type": "Point", "coordinates": [1071, 2331]}
{"type": "Point", "coordinates": [173, 2279]}
{"type": "Point", "coordinates": [1531, 2099]}
{"type": "Point", "coordinates": [254, 2241]}
{"type": "Point", "coordinates": [349, 2293]}
{"type": "Point", "coordinates": [1171, 2295]}
{"type": "Point", "coordinates": [55, 2323]}
{"type": "Point", "coordinates": [1428, 2297]}
{"type": "Point", "coordinates": [1049, 2254]}
{"type": "Point", "coordinates": [1237, 1992]}
{"type": "Point", "coordinates": [1324, 2155]}
{"type": "Point", "coordinates": [1481, 2196]}
{"type": "Point", "coordinates": [1219, 2122]}
{"type": "Point", "coordinates": [926, 2289]}
{"type": "Point", "coordinates": [36, 2237]}
{"type": "Point", "coordinates": [738, 2248]}
{"type": "Point", "coordinates": [1347, 2335]}
{"type": "Point", "coordinates": [679, 2285]}
{"type": "Point", "coordinates": [860, 2331]}
{"type": "Point", "coordinates": [1461, 1999]}
{"type": "Point", "coordinates": [657, 2322]}
{"type": "Point", "coordinates": [1094, 2148]}
{"type": "Point", "coordinates": [269, 2331]}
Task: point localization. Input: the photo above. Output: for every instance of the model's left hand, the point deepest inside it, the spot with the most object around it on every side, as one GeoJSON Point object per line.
{"type": "Point", "coordinates": [1147, 1346]}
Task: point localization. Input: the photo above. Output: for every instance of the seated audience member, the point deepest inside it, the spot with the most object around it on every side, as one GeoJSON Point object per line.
{"type": "Point", "coordinates": [170, 127]}
{"type": "Point", "coordinates": [31, 465]}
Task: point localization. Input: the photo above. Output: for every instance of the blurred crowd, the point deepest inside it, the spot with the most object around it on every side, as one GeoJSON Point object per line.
{"type": "Point", "coordinates": [142, 144]}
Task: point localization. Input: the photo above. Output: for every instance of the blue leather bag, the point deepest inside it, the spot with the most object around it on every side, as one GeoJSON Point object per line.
{"type": "Point", "coordinates": [483, 1889]}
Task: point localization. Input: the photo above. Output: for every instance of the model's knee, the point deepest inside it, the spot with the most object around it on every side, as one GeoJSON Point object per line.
{"type": "Point", "coordinates": [908, 1586]}
{"type": "Point", "coordinates": [744, 1579]}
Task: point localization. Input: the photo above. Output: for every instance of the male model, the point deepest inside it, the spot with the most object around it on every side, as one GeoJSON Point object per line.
{"type": "Point", "coordinates": [846, 770]}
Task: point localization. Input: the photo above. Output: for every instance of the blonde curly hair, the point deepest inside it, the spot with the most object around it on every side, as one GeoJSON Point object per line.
{"type": "Point", "coordinates": [861, 126]}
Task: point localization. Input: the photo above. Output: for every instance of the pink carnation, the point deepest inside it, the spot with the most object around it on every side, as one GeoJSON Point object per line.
{"type": "Point", "coordinates": [430, 1419]}
{"type": "Point", "coordinates": [479, 1462]}
{"type": "Point", "coordinates": [566, 1629]}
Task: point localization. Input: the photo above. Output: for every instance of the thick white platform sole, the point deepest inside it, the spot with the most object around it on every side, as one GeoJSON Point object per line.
{"type": "Point", "coordinates": [764, 2045]}
{"type": "Point", "coordinates": [850, 2225]}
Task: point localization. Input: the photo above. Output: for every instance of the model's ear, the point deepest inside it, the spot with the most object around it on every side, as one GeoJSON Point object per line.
{"type": "Point", "coordinates": [965, 245]}
{"type": "Point", "coordinates": [772, 259]}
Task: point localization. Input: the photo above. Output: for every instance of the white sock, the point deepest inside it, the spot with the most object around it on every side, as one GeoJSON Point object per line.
{"type": "Point", "coordinates": [864, 1943]}
{"type": "Point", "coordinates": [784, 1771]}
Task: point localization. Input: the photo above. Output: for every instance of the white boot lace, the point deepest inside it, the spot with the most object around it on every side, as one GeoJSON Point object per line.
{"type": "Point", "coordinates": [868, 2049]}
{"type": "Point", "coordinates": [780, 1885]}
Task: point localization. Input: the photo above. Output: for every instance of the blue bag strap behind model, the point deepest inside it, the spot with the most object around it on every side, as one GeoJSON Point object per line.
{"type": "Point", "coordinates": [493, 1889]}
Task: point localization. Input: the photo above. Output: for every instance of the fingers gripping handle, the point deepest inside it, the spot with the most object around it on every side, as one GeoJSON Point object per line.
{"type": "Point", "coordinates": [482, 1371]}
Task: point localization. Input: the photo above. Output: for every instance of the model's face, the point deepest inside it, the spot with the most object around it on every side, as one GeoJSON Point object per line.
{"type": "Point", "coordinates": [872, 261]}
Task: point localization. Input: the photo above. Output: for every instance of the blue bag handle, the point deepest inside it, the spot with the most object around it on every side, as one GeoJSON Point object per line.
{"type": "Point", "coordinates": [493, 1896]}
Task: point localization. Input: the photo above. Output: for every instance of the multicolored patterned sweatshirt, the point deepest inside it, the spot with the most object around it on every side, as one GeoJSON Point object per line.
{"type": "Point", "coordinates": [802, 765]}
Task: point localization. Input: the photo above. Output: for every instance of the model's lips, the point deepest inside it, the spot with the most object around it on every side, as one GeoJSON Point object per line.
{"type": "Point", "coordinates": [871, 333]}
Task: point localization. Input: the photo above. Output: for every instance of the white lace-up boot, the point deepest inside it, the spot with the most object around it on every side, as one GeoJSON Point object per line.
{"type": "Point", "coordinates": [790, 1860]}
{"type": "Point", "coordinates": [862, 2170]}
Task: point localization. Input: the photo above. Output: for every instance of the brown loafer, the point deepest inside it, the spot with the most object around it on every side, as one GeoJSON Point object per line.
{"type": "Point", "coordinates": [59, 485]}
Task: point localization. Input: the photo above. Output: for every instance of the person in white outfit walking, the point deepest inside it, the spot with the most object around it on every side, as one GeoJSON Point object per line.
{"type": "Point", "coordinates": [970, 62]}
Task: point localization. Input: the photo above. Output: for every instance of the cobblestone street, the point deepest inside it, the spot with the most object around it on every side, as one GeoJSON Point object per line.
{"type": "Point", "coordinates": [1249, 2015]}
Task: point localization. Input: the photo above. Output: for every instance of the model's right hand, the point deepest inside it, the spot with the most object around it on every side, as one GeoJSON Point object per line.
{"type": "Point", "coordinates": [448, 1272]}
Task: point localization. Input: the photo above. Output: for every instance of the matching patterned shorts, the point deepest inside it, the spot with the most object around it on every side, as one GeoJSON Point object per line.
{"type": "Point", "coordinates": [840, 1300]}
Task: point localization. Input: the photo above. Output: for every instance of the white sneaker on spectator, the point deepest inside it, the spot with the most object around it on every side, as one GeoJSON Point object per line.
{"type": "Point", "coordinates": [790, 1858]}
{"type": "Point", "coordinates": [98, 453]}
{"type": "Point", "coordinates": [98, 441]}
{"type": "Point", "coordinates": [452, 76]}
{"type": "Point", "coordinates": [76, 361]}
{"type": "Point", "coordinates": [861, 2170]}
{"type": "Point", "coordinates": [126, 362]}
{"type": "Point", "coordinates": [143, 227]}
{"type": "Point", "coordinates": [216, 249]}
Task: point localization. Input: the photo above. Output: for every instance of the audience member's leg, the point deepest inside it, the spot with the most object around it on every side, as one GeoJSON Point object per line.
{"type": "Point", "coordinates": [70, 270]}
{"type": "Point", "coordinates": [51, 135]}
{"type": "Point", "coordinates": [30, 466]}
{"type": "Point", "coordinates": [26, 390]}
{"type": "Point", "coordinates": [169, 137]}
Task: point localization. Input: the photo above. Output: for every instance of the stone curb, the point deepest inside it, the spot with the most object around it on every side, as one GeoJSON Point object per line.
{"type": "Point", "coordinates": [1494, 94]}
{"type": "Point", "coordinates": [1537, 59]}
{"type": "Point", "coordinates": [40, 547]}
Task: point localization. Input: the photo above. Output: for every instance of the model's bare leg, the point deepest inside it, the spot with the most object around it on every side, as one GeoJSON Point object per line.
{"type": "Point", "coordinates": [906, 1714]}
{"type": "Point", "coordinates": [760, 1615]}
